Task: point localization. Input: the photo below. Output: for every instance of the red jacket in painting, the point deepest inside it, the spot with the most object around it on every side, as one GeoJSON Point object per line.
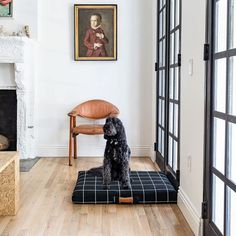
{"type": "Point", "coordinates": [91, 38]}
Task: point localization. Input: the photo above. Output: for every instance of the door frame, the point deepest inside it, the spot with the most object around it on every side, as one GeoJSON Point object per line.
{"type": "Point", "coordinates": [209, 227]}
{"type": "Point", "coordinates": [163, 161]}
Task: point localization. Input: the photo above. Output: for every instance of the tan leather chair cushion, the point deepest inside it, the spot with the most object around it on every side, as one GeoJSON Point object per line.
{"type": "Point", "coordinates": [88, 129]}
{"type": "Point", "coordinates": [95, 109]}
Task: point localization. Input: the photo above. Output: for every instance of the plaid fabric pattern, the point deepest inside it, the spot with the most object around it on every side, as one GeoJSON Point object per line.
{"type": "Point", "coordinates": [146, 187]}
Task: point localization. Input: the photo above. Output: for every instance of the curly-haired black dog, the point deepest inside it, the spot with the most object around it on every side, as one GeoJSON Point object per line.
{"type": "Point", "coordinates": [116, 156]}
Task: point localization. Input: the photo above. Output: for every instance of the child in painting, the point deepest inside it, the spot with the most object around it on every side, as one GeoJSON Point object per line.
{"type": "Point", "coordinates": [95, 39]}
{"type": "Point", "coordinates": [5, 2]}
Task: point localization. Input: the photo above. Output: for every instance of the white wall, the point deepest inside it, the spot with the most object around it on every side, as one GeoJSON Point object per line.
{"type": "Point", "coordinates": [192, 112]}
{"type": "Point", "coordinates": [63, 83]}
{"type": "Point", "coordinates": [24, 13]}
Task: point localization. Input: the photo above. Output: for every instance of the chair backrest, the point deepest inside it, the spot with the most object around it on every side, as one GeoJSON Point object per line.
{"type": "Point", "coordinates": [95, 109]}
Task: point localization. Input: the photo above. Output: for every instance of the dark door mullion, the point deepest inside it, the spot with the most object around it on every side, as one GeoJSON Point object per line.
{"type": "Point", "coordinates": [179, 88]}
{"type": "Point", "coordinates": [173, 66]}
{"type": "Point", "coordinates": [157, 75]}
{"type": "Point", "coordinates": [223, 116]}
{"type": "Point", "coordinates": [174, 86]}
{"type": "Point", "coordinates": [175, 27]}
{"type": "Point", "coordinates": [212, 75]}
{"type": "Point", "coordinates": [163, 81]}
{"type": "Point", "coordinates": [160, 67]}
{"type": "Point", "coordinates": [167, 53]}
{"type": "Point", "coordinates": [173, 80]}
{"type": "Point", "coordinates": [222, 177]}
{"type": "Point", "coordinates": [229, 53]}
{"type": "Point", "coordinates": [173, 136]}
{"type": "Point", "coordinates": [208, 127]}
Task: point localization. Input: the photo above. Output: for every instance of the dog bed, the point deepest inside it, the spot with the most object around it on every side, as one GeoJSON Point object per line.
{"type": "Point", "coordinates": [146, 187]}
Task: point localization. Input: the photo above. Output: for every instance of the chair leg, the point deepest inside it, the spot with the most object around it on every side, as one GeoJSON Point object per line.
{"type": "Point", "coordinates": [75, 143]}
{"type": "Point", "coordinates": [71, 141]}
{"type": "Point", "coordinates": [75, 148]}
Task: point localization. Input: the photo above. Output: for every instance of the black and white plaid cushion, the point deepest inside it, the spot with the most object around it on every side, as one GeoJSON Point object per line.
{"type": "Point", "coordinates": [146, 187]}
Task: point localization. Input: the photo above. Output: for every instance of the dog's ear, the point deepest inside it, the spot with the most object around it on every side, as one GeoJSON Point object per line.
{"type": "Point", "coordinates": [118, 122]}
{"type": "Point", "coordinates": [120, 130]}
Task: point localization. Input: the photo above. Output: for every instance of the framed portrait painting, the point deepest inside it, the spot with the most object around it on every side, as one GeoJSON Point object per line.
{"type": "Point", "coordinates": [5, 8]}
{"type": "Point", "coordinates": [95, 32]}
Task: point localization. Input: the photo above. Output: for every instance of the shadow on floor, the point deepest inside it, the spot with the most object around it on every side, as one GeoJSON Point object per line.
{"type": "Point", "coordinates": [27, 164]}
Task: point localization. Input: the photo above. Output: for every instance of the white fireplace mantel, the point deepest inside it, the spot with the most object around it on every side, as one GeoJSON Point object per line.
{"type": "Point", "coordinates": [20, 52]}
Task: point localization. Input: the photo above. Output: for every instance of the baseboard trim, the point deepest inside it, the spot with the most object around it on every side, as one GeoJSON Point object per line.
{"type": "Point", "coordinates": [189, 212]}
{"type": "Point", "coordinates": [59, 151]}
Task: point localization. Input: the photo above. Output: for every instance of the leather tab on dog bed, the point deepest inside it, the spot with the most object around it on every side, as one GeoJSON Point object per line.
{"type": "Point", "coordinates": [126, 200]}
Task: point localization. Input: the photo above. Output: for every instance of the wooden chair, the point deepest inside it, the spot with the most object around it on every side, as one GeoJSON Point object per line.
{"type": "Point", "coordinates": [92, 109]}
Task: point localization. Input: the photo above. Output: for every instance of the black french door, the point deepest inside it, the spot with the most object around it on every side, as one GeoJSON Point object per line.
{"type": "Point", "coordinates": [168, 86]}
{"type": "Point", "coordinates": [220, 153]}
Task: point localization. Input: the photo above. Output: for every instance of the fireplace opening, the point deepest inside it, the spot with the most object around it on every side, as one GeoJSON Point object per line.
{"type": "Point", "coordinates": [8, 117]}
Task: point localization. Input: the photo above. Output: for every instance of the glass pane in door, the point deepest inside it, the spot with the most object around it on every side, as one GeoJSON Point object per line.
{"type": "Point", "coordinates": [161, 61]}
{"type": "Point", "coordinates": [172, 14]}
{"type": "Point", "coordinates": [170, 152]}
{"type": "Point", "coordinates": [171, 115]}
{"type": "Point", "coordinates": [232, 152]}
{"type": "Point", "coordinates": [176, 45]}
{"type": "Point", "coordinates": [172, 52]}
{"type": "Point", "coordinates": [218, 203]}
{"type": "Point", "coordinates": [171, 83]}
{"type": "Point", "coordinates": [231, 224]}
{"type": "Point", "coordinates": [160, 26]}
{"type": "Point", "coordinates": [233, 24]}
{"type": "Point", "coordinates": [176, 119]}
{"type": "Point", "coordinates": [162, 142]}
{"type": "Point", "coordinates": [232, 86]}
{"type": "Point", "coordinates": [220, 25]}
{"type": "Point", "coordinates": [163, 113]}
{"type": "Point", "coordinates": [220, 85]}
{"type": "Point", "coordinates": [160, 83]}
{"type": "Point", "coordinates": [219, 145]}
{"type": "Point", "coordinates": [175, 155]}
{"type": "Point", "coordinates": [177, 83]}
{"type": "Point", "coordinates": [177, 13]}
{"type": "Point", "coordinates": [164, 21]}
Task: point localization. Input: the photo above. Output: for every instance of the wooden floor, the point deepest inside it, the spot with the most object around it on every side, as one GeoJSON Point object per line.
{"type": "Point", "coordinates": [46, 207]}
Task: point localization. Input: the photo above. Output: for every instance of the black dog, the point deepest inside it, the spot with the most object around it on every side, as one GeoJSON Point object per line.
{"type": "Point", "coordinates": [116, 156]}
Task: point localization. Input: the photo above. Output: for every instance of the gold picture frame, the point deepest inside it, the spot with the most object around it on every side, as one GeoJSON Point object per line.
{"type": "Point", "coordinates": [95, 32]}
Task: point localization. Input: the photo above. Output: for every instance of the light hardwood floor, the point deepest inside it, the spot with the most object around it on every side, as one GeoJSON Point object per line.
{"type": "Point", "coordinates": [46, 207]}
